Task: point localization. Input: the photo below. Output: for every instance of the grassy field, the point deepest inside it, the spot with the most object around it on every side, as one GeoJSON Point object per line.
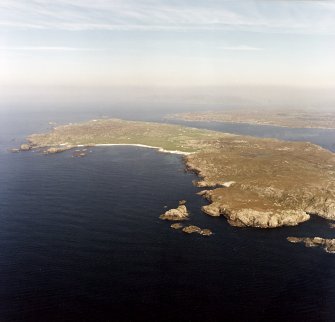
{"type": "Point", "coordinates": [115, 131]}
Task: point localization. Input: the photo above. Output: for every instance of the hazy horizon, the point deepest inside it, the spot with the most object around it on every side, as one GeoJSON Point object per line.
{"type": "Point", "coordinates": [166, 98]}
{"type": "Point", "coordinates": [214, 53]}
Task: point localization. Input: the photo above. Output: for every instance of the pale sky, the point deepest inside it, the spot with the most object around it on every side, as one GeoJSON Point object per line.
{"type": "Point", "coordinates": [167, 43]}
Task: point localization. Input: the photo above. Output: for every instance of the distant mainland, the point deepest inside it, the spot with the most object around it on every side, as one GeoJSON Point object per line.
{"type": "Point", "coordinates": [292, 118]}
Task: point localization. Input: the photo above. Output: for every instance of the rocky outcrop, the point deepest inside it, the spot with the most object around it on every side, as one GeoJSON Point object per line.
{"type": "Point", "coordinates": [265, 219]}
{"type": "Point", "coordinates": [257, 218]}
{"type": "Point", "coordinates": [25, 147]}
{"type": "Point", "coordinates": [177, 226]}
{"type": "Point", "coordinates": [208, 184]}
{"type": "Point", "coordinates": [203, 193]}
{"type": "Point", "coordinates": [53, 150]}
{"type": "Point", "coordinates": [332, 225]}
{"type": "Point", "coordinates": [79, 153]}
{"type": "Point", "coordinates": [213, 184]}
{"type": "Point", "coordinates": [212, 210]}
{"type": "Point", "coordinates": [176, 214]}
{"type": "Point", "coordinates": [195, 229]}
{"type": "Point", "coordinates": [206, 232]}
{"type": "Point", "coordinates": [322, 205]}
{"type": "Point", "coordinates": [191, 229]}
{"type": "Point", "coordinates": [327, 244]}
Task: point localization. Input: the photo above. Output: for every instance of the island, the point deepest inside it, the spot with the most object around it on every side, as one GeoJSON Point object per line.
{"type": "Point", "coordinates": [275, 117]}
{"type": "Point", "coordinates": [253, 182]}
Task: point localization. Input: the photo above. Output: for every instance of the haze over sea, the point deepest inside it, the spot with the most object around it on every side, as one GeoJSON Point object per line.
{"type": "Point", "coordinates": [81, 238]}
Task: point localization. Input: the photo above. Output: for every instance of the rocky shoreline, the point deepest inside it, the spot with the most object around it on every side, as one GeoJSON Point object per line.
{"type": "Point", "coordinates": [327, 244]}
{"type": "Point", "coordinates": [252, 182]}
{"type": "Point", "coordinates": [228, 199]}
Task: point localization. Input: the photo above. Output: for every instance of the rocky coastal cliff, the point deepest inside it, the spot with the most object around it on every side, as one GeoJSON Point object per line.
{"type": "Point", "coordinates": [266, 183]}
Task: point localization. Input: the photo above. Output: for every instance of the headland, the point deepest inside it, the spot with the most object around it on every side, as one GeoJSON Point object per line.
{"type": "Point", "coordinates": [253, 182]}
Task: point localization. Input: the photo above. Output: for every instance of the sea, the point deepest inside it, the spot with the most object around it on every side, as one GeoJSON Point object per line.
{"type": "Point", "coordinates": [81, 238]}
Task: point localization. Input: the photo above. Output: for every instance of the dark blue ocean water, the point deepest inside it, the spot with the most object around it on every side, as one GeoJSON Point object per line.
{"type": "Point", "coordinates": [80, 240]}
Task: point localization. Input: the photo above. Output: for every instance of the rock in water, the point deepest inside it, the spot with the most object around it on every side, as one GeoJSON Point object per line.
{"type": "Point", "coordinates": [294, 240]}
{"type": "Point", "coordinates": [206, 232]}
{"type": "Point", "coordinates": [14, 150]}
{"type": "Point", "coordinates": [176, 226]}
{"type": "Point", "coordinates": [175, 214]}
{"type": "Point", "coordinates": [53, 150]}
{"type": "Point", "coordinates": [327, 244]}
{"type": "Point", "coordinates": [25, 147]}
{"type": "Point", "coordinates": [191, 229]}
{"type": "Point", "coordinates": [195, 229]}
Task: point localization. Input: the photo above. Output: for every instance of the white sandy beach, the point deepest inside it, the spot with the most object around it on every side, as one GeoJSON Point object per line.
{"type": "Point", "coordinates": [147, 146]}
